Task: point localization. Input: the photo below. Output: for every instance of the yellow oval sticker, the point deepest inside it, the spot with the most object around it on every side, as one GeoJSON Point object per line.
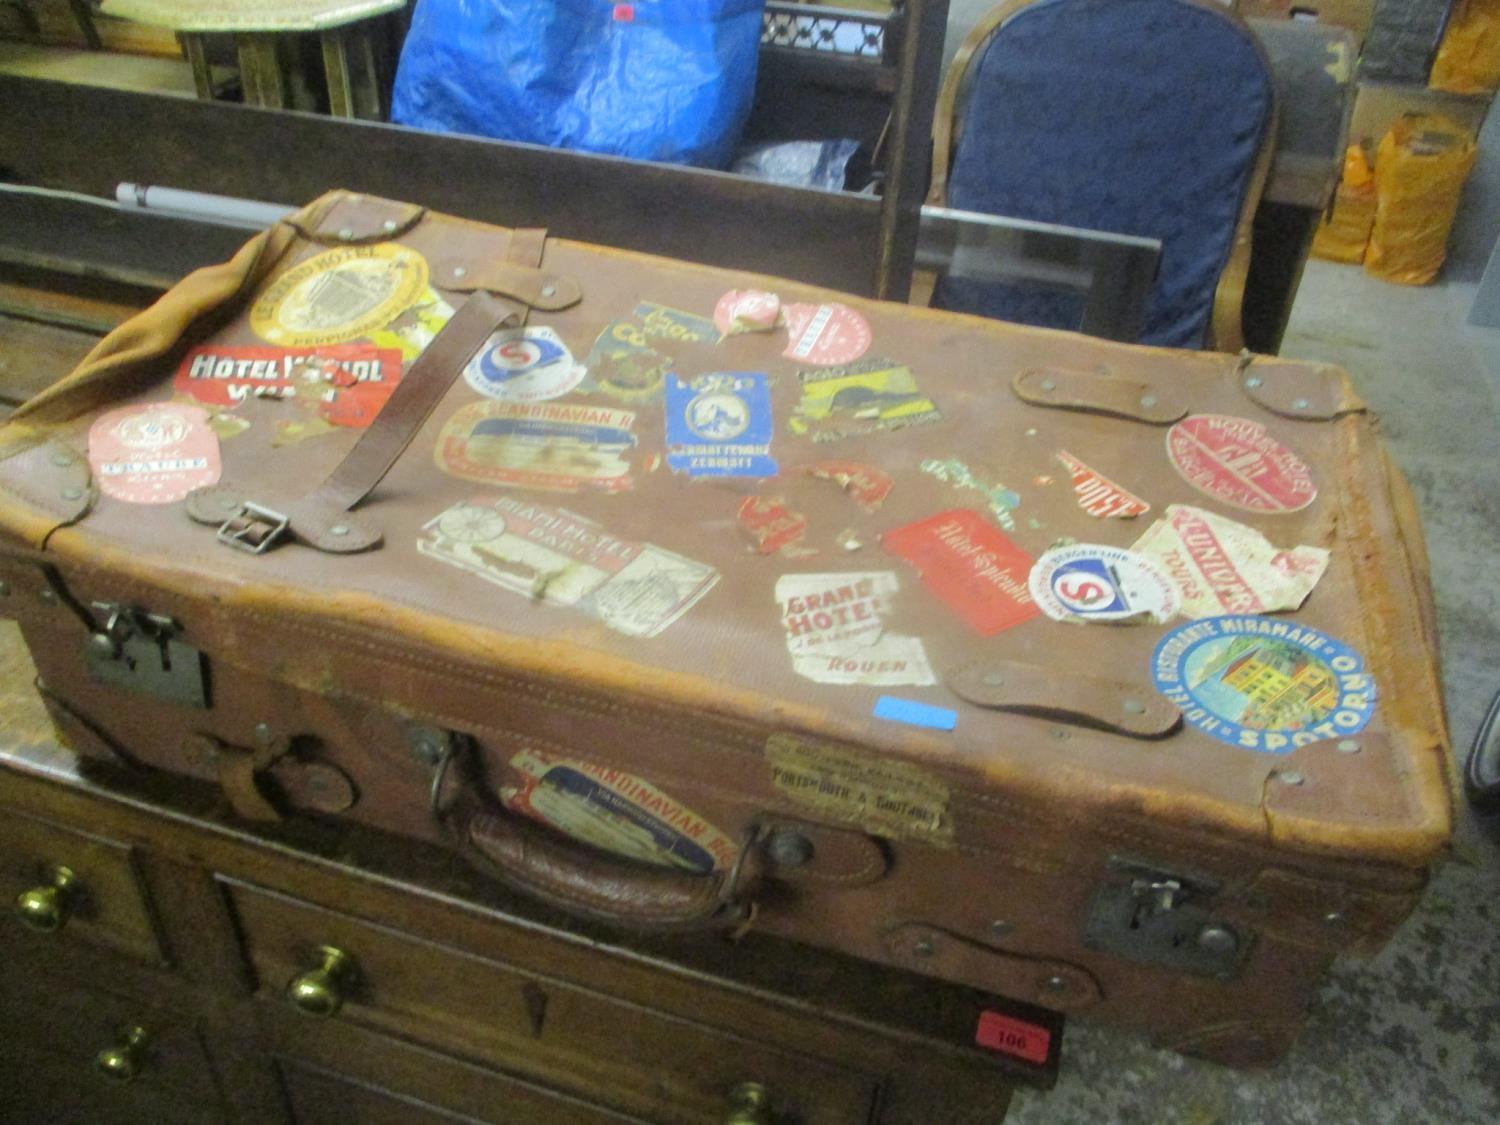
{"type": "Point", "coordinates": [340, 295]}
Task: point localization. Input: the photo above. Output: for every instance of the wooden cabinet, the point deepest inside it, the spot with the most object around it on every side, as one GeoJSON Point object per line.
{"type": "Point", "coordinates": [184, 969]}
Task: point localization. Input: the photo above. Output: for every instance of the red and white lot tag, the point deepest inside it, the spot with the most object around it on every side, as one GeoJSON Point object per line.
{"type": "Point", "coordinates": [1010, 1036]}
{"type": "Point", "coordinates": [153, 454]}
{"type": "Point", "coordinates": [825, 334]}
{"type": "Point", "coordinates": [1098, 495]}
{"type": "Point", "coordinates": [1236, 461]}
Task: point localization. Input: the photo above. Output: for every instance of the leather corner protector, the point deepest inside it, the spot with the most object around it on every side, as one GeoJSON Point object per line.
{"type": "Point", "coordinates": [1319, 913]}
{"type": "Point", "coordinates": [1059, 985]}
{"type": "Point", "coordinates": [1134, 709]}
{"type": "Point", "coordinates": [356, 220]}
{"type": "Point", "coordinates": [54, 478]}
{"type": "Point", "coordinates": [1339, 783]}
{"type": "Point", "coordinates": [1306, 392]}
{"type": "Point", "coordinates": [1096, 392]}
{"type": "Point", "coordinates": [537, 288]}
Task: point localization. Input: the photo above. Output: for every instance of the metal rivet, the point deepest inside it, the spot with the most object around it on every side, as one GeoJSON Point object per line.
{"type": "Point", "coordinates": [924, 948]}
{"type": "Point", "coordinates": [72, 494]}
{"type": "Point", "coordinates": [1134, 707]}
{"type": "Point", "coordinates": [264, 735]}
{"type": "Point", "coordinates": [62, 460]}
{"type": "Point", "coordinates": [1348, 746]}
{"type": "Point", "coordinates": [549, 290]}
{"type": "Point", "coordinates": [4, 589]}
{"type": "Point", "coordinates": [338, 529]}
{"type": "Point", "coordinates": [1253, 382]}
{"type": "Point", "coordinates": [1291, 777]}
{"type": "Point", "coordinates": [104, 646]}
{"type": "Point", "coordinates": [48, 597]}
{"type": "Point", "coordinates": [1000, 927]}
{"type": "Point", "coordinates": [789, 849]}
{"type": "Point", "coordinates": [389, 226]}
{"type": "Point", "coordinates": [1148, 401]}
{"type": "Point", "coordinates": [1217, 939]}
{"type": "Point", "coordinates": [459, 271]}
{"type": "Point", "coordinates": [1049, 384]}
{"type": "Point", "coordinates": [346, 234]}
{"type": "Point", "coordinates": [1333, 918]}
{"type": "Point", "coordinates": [994, 679]}
{"type": "Point", "coordinates": [1300, 404]}
{"type": "Point", "coordinates": [1055, 984]}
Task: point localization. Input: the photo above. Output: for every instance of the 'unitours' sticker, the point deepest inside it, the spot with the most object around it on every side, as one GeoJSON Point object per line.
{"type": "Point", "coordinates": [836, 634]}
{"type": "Point", "coordinates": [720, 425]}
{"type": "Point", "coordinates": [153, 454]}
{"type": "Point", "coordinates": [553, 445]}
{"type": "Point", "coordinates": [825, 333]}
{"type": "Point", "coordinates": [553, 555]}
{"type": "Point", "coordinates": [616, 812]}
{"type": "Point", "coordinates": [1091, 582]}
{"type": "Point", "coordinates": [340, 295]}
{"type": "Point", "coordinates": [524, 365]}
{"type": "Point", "coordinates": [1263, 684]}
{"type": "Point", "coordinates": [1236, 461]}
{"type": "Point", "coordinates": [971, 565]}
{"type": "Point", "coordinates": [860, 398]}
{"type": "Point", "coordinates": [1098, 495]}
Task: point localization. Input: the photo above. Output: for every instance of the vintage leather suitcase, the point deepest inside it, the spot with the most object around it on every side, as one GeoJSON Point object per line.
{"type": "Point", "coordinates": [1097, 676]}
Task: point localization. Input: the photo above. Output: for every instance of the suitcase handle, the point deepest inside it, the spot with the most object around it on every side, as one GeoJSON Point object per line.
{"type": "Point", "coordinates": [587, 883]}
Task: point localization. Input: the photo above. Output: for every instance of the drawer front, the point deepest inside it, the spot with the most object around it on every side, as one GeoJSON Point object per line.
{"type": "Point", "coordinates": [74, 1027]}
{"type": "Point", "coordinates": [567, 1034]}
{"type": "Point", "coordinates": [97, 897]}
{"type": "Point", "coordinates": [36, 1087]}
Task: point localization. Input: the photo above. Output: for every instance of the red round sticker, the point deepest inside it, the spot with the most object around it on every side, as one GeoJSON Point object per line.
{"type": "Point", "coordinates": [825, 333]}
{"type": "Point", "coordinates": [1236, 461]}
{"type": "Point", "coordinates": [747, 310]}
{"type": "Point", "coordinates": [153, 454]}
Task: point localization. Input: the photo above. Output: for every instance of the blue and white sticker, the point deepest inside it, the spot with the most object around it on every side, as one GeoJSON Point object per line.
{"type": "Point", "coordinates": [524, 365]}
{"type": "Point", "coordinates": [720, 425]}
{"type": "Point", "coordinates": [1092, 582]}
{"type": "Point", "coordinates": [1264, 684]}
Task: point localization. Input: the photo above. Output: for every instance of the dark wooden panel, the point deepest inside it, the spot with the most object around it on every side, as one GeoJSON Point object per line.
{"type": "Point", "coordinates": [33, 356]}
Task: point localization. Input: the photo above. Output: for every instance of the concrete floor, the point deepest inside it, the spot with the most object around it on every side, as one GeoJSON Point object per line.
{"type": "Point", "coordinates": [1414, 1034]}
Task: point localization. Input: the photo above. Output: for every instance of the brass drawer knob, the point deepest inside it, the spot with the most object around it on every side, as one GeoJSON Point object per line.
{"type": "Point", "coordinates": [46, 908]}
{"type": "Point", "coordinates": [124, 1060]}
{"type": "Point", "coordinates": [749, 1104]}
{"type": "Point", "coordinates": [320, 992]}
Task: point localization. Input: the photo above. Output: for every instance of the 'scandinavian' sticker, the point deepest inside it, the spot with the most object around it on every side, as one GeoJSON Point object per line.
{"type": "Point", "coordinates": [615, 811]}
{"type": "Point", "coordinates": [559, 446]}
{"type": "Point", "coordinates": [881, 796]}
{"type": "Point", "coordinates": [1263, 684]}
{"type": "Point", "coordinates": [339, 295]}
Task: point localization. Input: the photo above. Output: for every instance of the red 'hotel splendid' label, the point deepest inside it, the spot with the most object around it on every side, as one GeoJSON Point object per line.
{"type": "Point", "coordinates": [971, 565]}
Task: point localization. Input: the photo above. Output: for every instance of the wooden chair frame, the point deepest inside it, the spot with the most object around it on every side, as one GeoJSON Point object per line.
{"type": "Point", "coordinates": [1225, 329]}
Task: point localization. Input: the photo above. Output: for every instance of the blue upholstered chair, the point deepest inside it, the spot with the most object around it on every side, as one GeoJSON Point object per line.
{"type": "Point", "coordinates": [1142, 117]}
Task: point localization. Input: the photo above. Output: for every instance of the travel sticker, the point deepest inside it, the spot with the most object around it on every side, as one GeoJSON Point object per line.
{"type": "Point", "coordinates": [1092, 582]}
{"type": "Point", "coordinates": [1221, 566]}
{"type": "Point", "coordinates": [1263, 684]}
{"type": "Point", "coordinates": [860, 398]}
{"type": "Point", "coordinates": [153, 454]}
{"type": "Point", "coordinates": [747, 310]}
{"type": "Point", "coordinates": [773, 528]}
{"type": "Point", "coordinates": [412, 330]}
{"type": "Point", "coordinates": [825, 333]}
{"type": "Point", "coordinates": [339, 295]}
{"type": "Point", "coordinates": [346, 383]}
{"type": "Point", "coordinates": [674, 324]}
{"type": "Point", "coordinates": [555, 556]}
{"type": "Point", "coordinates": [1000, 500]}
{"type": "Point", "coordinates": [884, 797]}
{"type": "Point", "coordinates": [621, 364]}
{"type": "Point", "coordinates": [971, 565]}
{"type": "Point", "coordinates": [563, 447]}
{"type": "Point", "coordinates": [616, 812]}
{"type": "Point", "coordinates": [836, 634]}
{"type": "Point", "coordinates": [1236, 461]}
{"type": "Point", "coordinates": [1098, 495]}
{"type": "Point", "coordinates": [866, 485]}
{"type": "Point", "coordinates": [720, 425]}
{"type": "Point", "coordinates": [524, 365]}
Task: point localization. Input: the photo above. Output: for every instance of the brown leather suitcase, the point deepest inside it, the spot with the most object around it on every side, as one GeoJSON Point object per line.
{"type": "Point", "coordinates": [1097, 676]}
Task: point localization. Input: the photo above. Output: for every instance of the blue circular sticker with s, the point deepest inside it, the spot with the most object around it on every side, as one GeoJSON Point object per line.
{"type": "Point", "coordinates": [1263, 684]}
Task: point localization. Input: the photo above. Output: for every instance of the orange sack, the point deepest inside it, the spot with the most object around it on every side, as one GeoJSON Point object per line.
{"type": "Point", "coordinates": [1420, 168]}
{"type": "Point", "coordinates": [1468, 58]}
{"type": "Point", "coordinates": [1343, 233]}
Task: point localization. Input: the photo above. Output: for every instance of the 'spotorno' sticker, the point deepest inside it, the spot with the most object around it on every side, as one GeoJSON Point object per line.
{"type": "Point", "coordinates": [340, 295]}
{"type": "Point", "coordinates": [1092, 582]}
{"type": "Point", "coordinates": [1263, 684]}
{"type": "Point", "coordinates": [825, 333]}
{"type": "Point", "coordinates": [1236, 461]}
{"type": "Point", "coordinates": [154, 454]}
{"type": "Point", "coordinates": [524, 365]}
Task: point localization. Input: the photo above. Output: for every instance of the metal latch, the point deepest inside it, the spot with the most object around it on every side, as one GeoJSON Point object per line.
{"type": "Point", "coordinates": [1161, 917]}
{"type": "Point", "coordinates": [140, 652]}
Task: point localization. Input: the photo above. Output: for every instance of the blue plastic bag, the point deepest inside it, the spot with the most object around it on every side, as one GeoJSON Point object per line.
{"type": "Point", "coordinates": [667, 80]}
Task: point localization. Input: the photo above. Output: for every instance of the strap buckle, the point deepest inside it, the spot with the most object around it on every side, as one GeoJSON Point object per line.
{"type": "Point", "coordinates": [253, 528]}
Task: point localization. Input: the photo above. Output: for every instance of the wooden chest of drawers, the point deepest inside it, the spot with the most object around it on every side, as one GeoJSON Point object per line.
{"type": "Point", "coordinates": [184, 961]}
